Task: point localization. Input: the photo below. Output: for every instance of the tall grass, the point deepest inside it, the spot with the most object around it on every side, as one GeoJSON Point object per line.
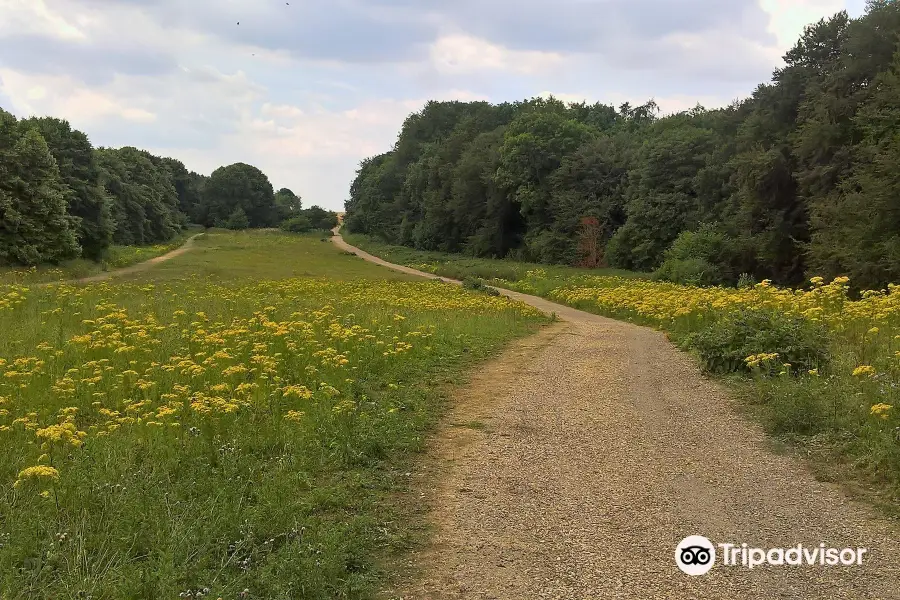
{"type": "Point", "coordinates": [222, 427]}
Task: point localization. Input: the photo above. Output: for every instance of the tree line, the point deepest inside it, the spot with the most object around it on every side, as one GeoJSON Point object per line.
{"type": "Point", "coordinates": [800, 179]}
{"type": "Point", "coordinates": [61, 198]}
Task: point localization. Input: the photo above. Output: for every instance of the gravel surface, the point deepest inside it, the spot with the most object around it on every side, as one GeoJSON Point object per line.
{"type": "Point", "coordinates": [602, 447]}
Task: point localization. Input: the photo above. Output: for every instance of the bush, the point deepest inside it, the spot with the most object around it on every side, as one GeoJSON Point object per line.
{"type": "Point", "coordinates": [689, 271]}
{"type": "Point", "coordinates": [725, 343]}
{"type": "Point", "coordinates": [475, 284]}
{"type": "Point", "coordinates": [696, 258]}
{"type": "Point", "coordinates": [237, 220]}
{"type": "Point", "coordinates": [298, 224]}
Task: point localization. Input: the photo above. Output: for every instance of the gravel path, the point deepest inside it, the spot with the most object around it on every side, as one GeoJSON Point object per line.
{"type": "Point", "coordinates": [142, 266]}
{"type": "Point", "coordinates": [602, 447]}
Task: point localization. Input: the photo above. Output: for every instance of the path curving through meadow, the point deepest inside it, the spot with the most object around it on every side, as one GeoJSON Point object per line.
{"type": "Point", "coordinates": [142, 266]}
{"type": "Point", "coordinates": [598, 447]}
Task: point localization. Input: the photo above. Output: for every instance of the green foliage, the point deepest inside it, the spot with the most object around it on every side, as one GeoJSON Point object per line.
{"type": "Point", "coordinates": [857, 229]}
{"type": "Point", "coordinates": [692, 258]}
{"type": "Point", "coordinates": [86, 200]}
{"type": "Point", "coordinates": [237, 220]}
{"type": "Point", "coordinates": [320, 218]}
{"type": "Point", "coordinates": [477, 285]}
{"type": "Point", "coordinates": [124, 196]}
{"type": "Point", "coordinates": [725, 343]}
{"type": "Point", "coordinates": [145, 206]}
{"type": "Point", "coordinates": [688, 271]}
{"type": "Point", "coordinates": [188, 187]}
{"type": "Point", "coordinates": [287, 204]}
{"type": "Point", "coordinates": [239, 186]}
{"type": "Point", "coordinates": [298, 224]}
{"type": "Point", "coordinates": [800, 179]}
{"type": "Point", "coordinates": [34, 225]}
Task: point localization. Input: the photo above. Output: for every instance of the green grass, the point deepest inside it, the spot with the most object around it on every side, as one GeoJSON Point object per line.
{"type": "Point", "coordinates": [241, 417]}
{"type": "Point", "coordinates": [817, 405]}
{"type": "Point", "coordinates": [270, 254]}
{"type": "Point", "coordinates": [116, 257]}
{"type": "Point", "coordinates": [458, 266]}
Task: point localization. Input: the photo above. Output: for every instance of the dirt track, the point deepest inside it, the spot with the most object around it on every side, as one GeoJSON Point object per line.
{"type": "Point", "coordinates": [142, 266]}
{"type": "Point", "coordinates": [603, 447]}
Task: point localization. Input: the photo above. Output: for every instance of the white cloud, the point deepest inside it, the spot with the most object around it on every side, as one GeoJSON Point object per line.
{"type": "Point", "coordinates": [668, 104]}
{"type": "Point", "coordinates": [466, 54]}
{"type": "Point", "coordinates": [307, 147]}
{"type": "Point", "coordinates": [33, 17]}
{"type": "Point", "coordinates": [789, 17]}
{"type": "Point", "coordinates": [66, 97]}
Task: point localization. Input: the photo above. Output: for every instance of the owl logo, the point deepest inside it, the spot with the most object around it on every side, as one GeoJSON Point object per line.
{"type": "Point", "coordinates": [695, 555]}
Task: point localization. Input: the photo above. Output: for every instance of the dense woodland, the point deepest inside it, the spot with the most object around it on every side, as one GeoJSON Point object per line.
{"type": "Point", "coordinates": [800, 179]}
{"type": "Point", "coordinates": [61, 198]}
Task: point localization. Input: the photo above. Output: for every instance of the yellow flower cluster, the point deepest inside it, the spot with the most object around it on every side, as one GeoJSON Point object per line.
{"type": "Point", "coordinates": [104, 363]}
{"type": "Point", "coordinates": [663, 303]}
{"type": "Point", "coordinates": [756, 360]}
{"type": "Point", "coordinates": [864, 371]}
{"type": "Point", "coordinates": [871, 321]}
{"type": "Point", "coordinates": [881, 410]}
{"type": "Point", "coordinates": [13, 297]}
{"type": "Point", "coordinates": [37, 472]}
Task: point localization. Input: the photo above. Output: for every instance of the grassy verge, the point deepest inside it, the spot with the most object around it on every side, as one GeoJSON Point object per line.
{"type": "Point", "coordinates": [458, 266]}
{"type": "Point", "coordinates": [116, 257]}
{"type": "Point", "coordinates": [822, 371]}
{"type": "Point", "coordinates": [235, 423]}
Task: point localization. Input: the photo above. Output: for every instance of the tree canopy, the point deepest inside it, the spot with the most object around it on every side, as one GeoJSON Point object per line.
{"type": "Point", "coordinates": [34, 224]}
{"type": "Point", "coordinates": [240, 186]}
{"type": "Point", "coordinates": [60, 197]}
{"type": "Point", "coordinates": [802, 178]}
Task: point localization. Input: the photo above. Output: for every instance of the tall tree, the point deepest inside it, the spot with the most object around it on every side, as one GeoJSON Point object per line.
{"type": "Point", "coordinates": [85, 197]}
{"type": "Point", "coordinates": [34, 225]}
{"type": "Point", "coordinates": [287, 204]}
{"type": "Point", "coordinates": [145, 206]}
{"type": "Point", "coordinates": [794, 181]}
{"type": "Point", "coordinates": [239, 186]}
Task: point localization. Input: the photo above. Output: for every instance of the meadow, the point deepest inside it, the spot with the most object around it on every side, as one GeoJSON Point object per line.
{"type": "Point", "coordinates": [117, 257]}
{"type": "Point", "coordinates": [819, 366]}
{"type": "Point", "coordinates": [238, 422]}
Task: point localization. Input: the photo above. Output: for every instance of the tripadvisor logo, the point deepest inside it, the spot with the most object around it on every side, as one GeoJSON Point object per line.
{"type": "Point", "coordinates": [696, 555]}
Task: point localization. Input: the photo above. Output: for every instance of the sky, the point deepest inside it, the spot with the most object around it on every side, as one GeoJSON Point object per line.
{"type": "Point", "coordinates": [305, 89]}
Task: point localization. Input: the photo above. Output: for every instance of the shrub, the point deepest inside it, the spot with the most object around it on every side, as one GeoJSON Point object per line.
{"type": "Point", "coordinates": [746, 281]}
{"type": "Point", "coordinates": [696, 258]}
{"type": "Point", "coordinates": [475, 284]}
{"type": "Point", "coordinates": [800, 408]}
{"type": "Point", "coordinates": [725, 343]}
{"type": "Point", "coordinates": [689, 271]}
{"type": "Point", "coordinates": [298, 224]}
{"type": "Point", "coordinates": [237, 220]}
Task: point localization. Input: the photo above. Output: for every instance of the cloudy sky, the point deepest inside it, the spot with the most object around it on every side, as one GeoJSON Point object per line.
{"type": "Point", "coordinates": [304, 89]}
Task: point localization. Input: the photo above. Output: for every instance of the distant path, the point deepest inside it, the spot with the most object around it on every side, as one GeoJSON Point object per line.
{"type": "Point", "coordinates": [602, 446]}
{"type": "Point", "coordinates": [141, 266]}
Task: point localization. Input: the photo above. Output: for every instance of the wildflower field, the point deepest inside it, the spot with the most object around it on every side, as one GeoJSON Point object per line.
{"type": "Point", "coordinates": [233, 424]}
{"type": "Point", "coordinates": [820, 365]}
